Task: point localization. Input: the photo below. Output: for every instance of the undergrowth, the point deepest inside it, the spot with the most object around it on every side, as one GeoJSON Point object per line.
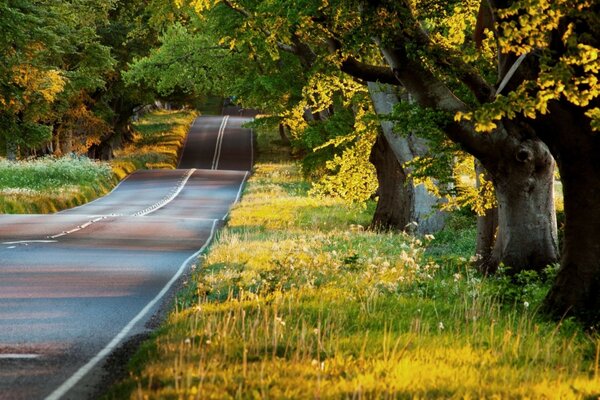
{"type": "Point", "coordinates": [296, 300]}
{"type": "Point", "coordinates": [51, 184]}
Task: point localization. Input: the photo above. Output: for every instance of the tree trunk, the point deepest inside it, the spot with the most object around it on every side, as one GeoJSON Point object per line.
{"type": "Point", "coordinates": [11, 149]}
{"type": "Point", "coordinates": [283, 135]}
{"type": "Point", "coordinates": [67, 142]}
{"type": "Point", "coordinates": [420, 203]}
{"type": "Point", "coordinates": [487, 226]}
{"type": "Point", "coordinates": [395, 197]}
{"type": "Point", "coordinates": [577, 287]}
{"type": "Point", "coordinates": [524, 185]}
{"type": "Point", "coordinates": [576, 290]}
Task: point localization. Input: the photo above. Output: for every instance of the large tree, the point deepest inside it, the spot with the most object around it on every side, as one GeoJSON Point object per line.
{"type": "Point", "coordinates": [557, 90]}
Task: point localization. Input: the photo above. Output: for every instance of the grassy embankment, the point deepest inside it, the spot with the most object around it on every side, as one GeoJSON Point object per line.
{"type": "Point", "coordinates": [296, 300]}
{"type": "Point", "coordinates": [48, 185]}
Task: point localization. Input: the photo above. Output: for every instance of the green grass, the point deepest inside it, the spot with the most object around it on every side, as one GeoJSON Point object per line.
{"type": "Point", "coordinates": [52, 184]}
{"type": "Point", "coordinates": [295, 299]}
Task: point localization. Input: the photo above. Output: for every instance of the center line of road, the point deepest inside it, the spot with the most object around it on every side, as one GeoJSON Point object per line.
{"type": "Point", "coordinates": [30, 241]}
{"type": "Point", "coordinates": [219, 144]}
{"type": "Point", "coordinates": [17, 356]}
{"type": "Point", "coordinates": [166, 200]}
{"type": "Point", "coordinates": [80, 227]}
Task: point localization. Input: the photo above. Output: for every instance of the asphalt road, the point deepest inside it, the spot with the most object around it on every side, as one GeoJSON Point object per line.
{"type": "Point", "coordinates": [76, 285]}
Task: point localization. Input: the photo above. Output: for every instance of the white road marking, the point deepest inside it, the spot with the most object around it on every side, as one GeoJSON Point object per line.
{"type": "Point", "coordinates": [160, 204]}
{"type": "Point", "coordinates": [30, 241]}
{"type": "Point", "coordinates": [80, 227]}
{"type": "Point", "coordinates": [81, 372]}
{"type": "Point", "coordinates": [219, 144]}
{"type": "Point", "coordinates": [17, 356]}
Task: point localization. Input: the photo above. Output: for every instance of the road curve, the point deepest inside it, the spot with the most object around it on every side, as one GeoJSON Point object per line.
{"type": "Point", "coordinates": [75, 285]}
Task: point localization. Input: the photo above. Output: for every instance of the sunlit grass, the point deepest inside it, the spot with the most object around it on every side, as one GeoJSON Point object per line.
{"type": "Point", "coordinates": [158, 138]}
{"type": "Point", "coordinates": [52, 184]}
{"type": "Point", "coordinates": [296, 300]}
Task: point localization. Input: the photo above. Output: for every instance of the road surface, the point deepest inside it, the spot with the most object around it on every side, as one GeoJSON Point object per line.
{"type": "Point", "coordinates": [75, 285]}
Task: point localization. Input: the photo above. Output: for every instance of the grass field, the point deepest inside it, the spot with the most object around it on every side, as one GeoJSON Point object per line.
{"type": "Point", "coordinates": [52, 184]}
{"type": "Point", "coordinates": [295, 300]}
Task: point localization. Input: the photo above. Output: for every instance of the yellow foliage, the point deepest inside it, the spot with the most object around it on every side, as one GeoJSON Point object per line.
{"type": "Point", "coordinates": [47, 84]}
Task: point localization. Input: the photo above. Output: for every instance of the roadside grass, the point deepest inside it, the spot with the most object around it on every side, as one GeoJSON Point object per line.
{"type": "Point", "coordinates": [51, 184]}
{"type": "Point", "coordinates": [158, 138]}
{"type": "Point", "coordinates": [296, 300]}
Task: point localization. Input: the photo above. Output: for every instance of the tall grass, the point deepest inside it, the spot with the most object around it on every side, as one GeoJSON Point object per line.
{"type": "Point", "coordinates": [296, 300]}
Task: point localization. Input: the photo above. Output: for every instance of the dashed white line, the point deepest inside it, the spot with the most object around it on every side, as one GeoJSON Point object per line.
{"type": "Point", "coordinates": [80, 227]}
{"type": "Point", "coordinates": [17, 356]}
{"type": "Point", "coordinates": [81, 372]}
{"type": "Point", "coordinates": [166, 200]}
{"type": "Point", "coordinates": [30, 241]}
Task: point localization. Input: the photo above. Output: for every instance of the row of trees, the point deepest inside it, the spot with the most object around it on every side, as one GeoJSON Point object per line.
{"type": "Point", "coordinates": [512, 83]}
{"type": "Point", "coordinates": [61, 88]}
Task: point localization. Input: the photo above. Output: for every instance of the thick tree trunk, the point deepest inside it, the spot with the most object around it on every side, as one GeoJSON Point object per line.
{"type": "Point", "coordinates": [67, 142]}
{"type": "Point", "coordinates": [576, 290]}
{"type": "Point", "coordinates": [283, 135]}
{"type": "Point", "coordinates": [11, 150]}
{"type": "Point", "coordinates": [577, 287]}
{"type": "Point", "coordinates": [524, 184]}
{"type": "Point", "coordinates": [395, 197]}
{"type": "Point", "coordinates": [420, 203]}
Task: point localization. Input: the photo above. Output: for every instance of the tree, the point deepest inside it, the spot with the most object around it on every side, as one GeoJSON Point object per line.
{"type": "Point", "coordinates": [29, 82]}
{"type": "Point", "coordinates": [557, 91]}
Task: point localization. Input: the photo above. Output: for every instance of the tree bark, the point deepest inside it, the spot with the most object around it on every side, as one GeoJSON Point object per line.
{"type": "Point", "coordinates": [393, 211]}
{"type": "Point", "coordinates": [527, 232]}
{"type": "Point", "coordinates": [283, 135]}
{"type": "Point", "coordinates": [420, 203]}
{"type": "Point", "coordinates": [576, 147]}
{"type": "Point", "coordinates": [11, 149]}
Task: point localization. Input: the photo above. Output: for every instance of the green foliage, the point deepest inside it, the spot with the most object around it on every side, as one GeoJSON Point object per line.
{"type": "Point", "coordinates": [563, 35]}
{"type": "Point", "coordinates": [524, 288]}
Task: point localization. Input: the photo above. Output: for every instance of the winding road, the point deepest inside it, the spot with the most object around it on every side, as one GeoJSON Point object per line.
{"type": "Point", "coordinates": [76, 285]}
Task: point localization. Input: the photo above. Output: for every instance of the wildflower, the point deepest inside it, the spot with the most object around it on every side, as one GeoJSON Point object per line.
{"type": "Point", "coordinates": [441, 326]}
{"type": "Point", "coordinates": [475, 258]}
{"type": "Point", "coordinates": [429, 237]}
{"type": "Point", "coordinates": [526, 304]}
{"type": "Point", "coordinates": [457, 277]}
{"type": "Point", "coordinates": [188, 341]}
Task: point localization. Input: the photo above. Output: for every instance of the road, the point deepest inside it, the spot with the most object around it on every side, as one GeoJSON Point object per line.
{"type": "Point", "coordinates": [74, 286]}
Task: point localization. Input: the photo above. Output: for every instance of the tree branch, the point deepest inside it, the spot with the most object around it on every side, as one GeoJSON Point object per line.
{"type": "Point", "coordinates": [482, 90]}
{"type": "Point", "coordinates": [429, 91]}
